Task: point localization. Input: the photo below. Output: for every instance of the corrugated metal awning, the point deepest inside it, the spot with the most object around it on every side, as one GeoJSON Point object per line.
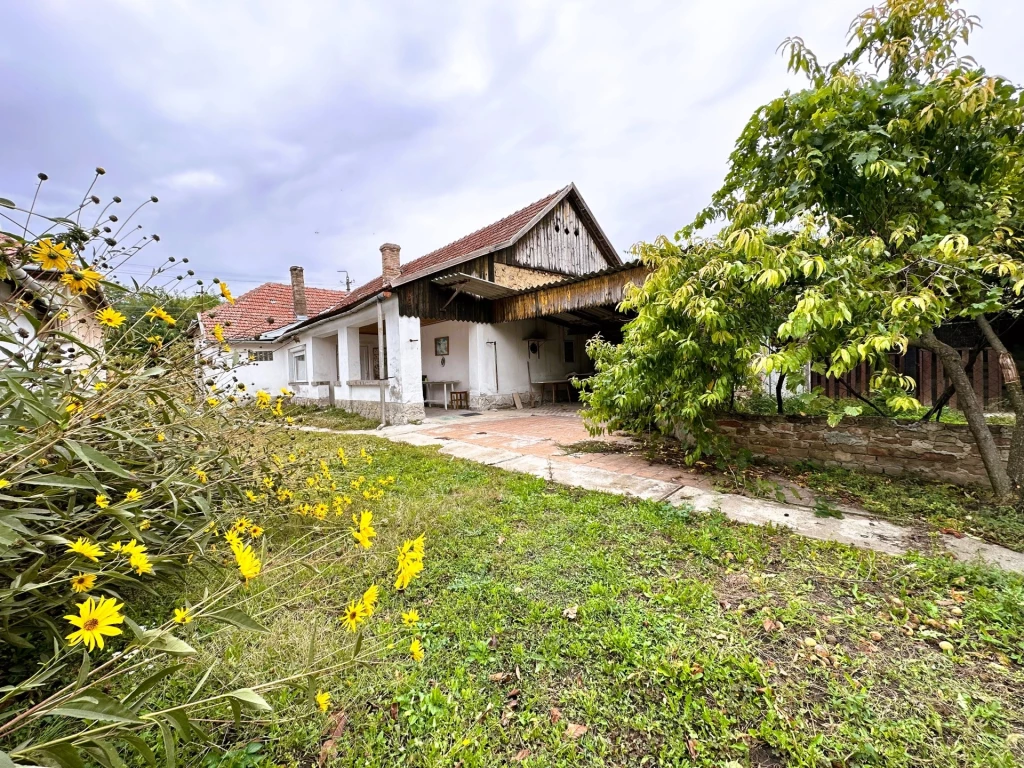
{"type": "Point", "coordinates": [475, 286]}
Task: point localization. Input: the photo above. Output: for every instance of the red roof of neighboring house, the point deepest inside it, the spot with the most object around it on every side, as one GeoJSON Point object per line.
{"type": "Point", "coordinates": [265, 309]}
{"type": "Point", "coordinates": [497, 234]}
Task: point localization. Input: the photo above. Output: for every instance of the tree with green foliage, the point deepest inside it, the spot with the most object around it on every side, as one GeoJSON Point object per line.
{"type": "Point", "coordinates": [860, 214]}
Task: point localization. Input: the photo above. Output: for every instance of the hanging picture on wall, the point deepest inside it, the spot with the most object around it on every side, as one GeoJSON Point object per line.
{"type": "Point", "coordinates": [441, 346]}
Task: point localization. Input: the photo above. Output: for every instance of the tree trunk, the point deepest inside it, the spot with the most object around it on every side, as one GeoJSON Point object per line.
{"type": "Point", "coordinates": [972, 407]}
{"type": "Point", "coordinates": [1011, 379]}
{"type": "Point", "coordinates": [778, 393]}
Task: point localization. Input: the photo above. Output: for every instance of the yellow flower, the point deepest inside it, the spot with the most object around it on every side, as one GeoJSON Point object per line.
{"type": "Point", "coordinates": [409, 618]}
{"type": "Point", "coordinates": [249, 565]}
{"type": "Point", "coordinates": [51, 255]}
{"type": "Point", "coordinates": [289, 420]}
{"type": "Point", "coordinates": [364, 530]}
{"type": "Point", "coordinates": [94, 620]}
{"type": "Point", "coordinates": [233, 539]}
{"type": "Point", "coordinates": [3, 483]}
{"type": "Point", "coordinates": [99, 386]}
{"type": "Point", "coordinates": [354, 616]}
{"type": "Point", "coordinates": [255, 531]}
{"type": "Point", "coordinates": [369, 600]}
{"type": "Point", "coordinates": [133, 495]}
{"type": "Point", "coordinates": [102, 500]}
{"type": "Point", "coordinates": [110, 317]}
{"type": "Point", "coordinates": [286, 392]}
{"type": "Point", "coordinates": [81, 281]}
{"type": "Point", "coordinates": [182, 616]}
{"type": "Point", "coordinates": [323, 700]}
{"type": "Point", "coordinates": [416, 650]}
{"type": "Point", "coordinates": [201, 476]}
{"type": "Point", "coordinates": [213, 402]}
{"type": "Point", "coordinates": [133, 547]}
{"type": "Point", "coordinates": [83, 582]}
{"type": "Point", "coordinates": [277, 410]}
{"type": "Point", "coordinates": [262, 398]}
{"type": "Point", "coordinates": [268, 483]}
{"type": "Point", "coordinates": [116, 546]}
{"type": "Point", "coordinates": [292, 458]}
{"type": "Point", "coordinates": [226, 293]}
{"type": "Point", "coordinates": [283, 494]}
{"type": "Point", "coordinates": [158, 312]}
{"type": "Point", "coordinates": [241, 523]}
{"type": "Point", "coordinates": [73, 407]}
{"type": "Point", "coordinates": [87, 549]}
{"type": "Point", "coordinates": [158, 341]}
{"type": "Point", "coordinates": [145, 525]}
{"type": "Point", "coordinates": [251, 496]}
{"type": "Point", "coordinates": [139, 561]}
{"type": "Point", "coordinates": [160, 437]}
{"type": "Point", "coordinates": [218, 333]}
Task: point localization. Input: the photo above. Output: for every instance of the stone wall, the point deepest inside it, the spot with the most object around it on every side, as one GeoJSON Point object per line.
{"type": "Point", "coordinates": [944, 452]}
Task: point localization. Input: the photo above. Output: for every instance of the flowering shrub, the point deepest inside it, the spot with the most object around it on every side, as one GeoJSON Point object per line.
{"type": "Point", "coordinates": [123, 476]}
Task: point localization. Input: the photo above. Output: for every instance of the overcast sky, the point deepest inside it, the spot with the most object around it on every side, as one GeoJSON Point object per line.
{"type": "Point", "coordinates": [311, 131]}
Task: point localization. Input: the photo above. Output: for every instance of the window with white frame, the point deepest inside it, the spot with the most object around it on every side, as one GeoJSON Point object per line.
{"type": "Point", "coordinates": [297, 367]}
{"type": "Point", "coordinates": [261, 356]}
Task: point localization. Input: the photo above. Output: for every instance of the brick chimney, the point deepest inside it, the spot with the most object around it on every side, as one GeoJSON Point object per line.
{"type": "Point", "coordinates": [299, 294]}
{"type": "Point", "coordinates": [391, 262]}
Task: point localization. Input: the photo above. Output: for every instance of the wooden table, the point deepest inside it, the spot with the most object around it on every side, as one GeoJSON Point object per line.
{"type": "Point", "coordinates": [553, 383]}
{"type": "Point", "coordinates": [446, 387]}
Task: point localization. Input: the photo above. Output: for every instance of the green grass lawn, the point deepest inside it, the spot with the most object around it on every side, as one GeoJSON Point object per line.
{"type": "Point", "coordinates": [569, 628]}
{"type": "Point", "coordinates": [332, 418]}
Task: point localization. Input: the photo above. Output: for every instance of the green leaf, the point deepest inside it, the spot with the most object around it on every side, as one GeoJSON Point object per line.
{"type": "Point", "coordinates": [65, 755]}
{"type": "Point", "coordinates": [140, 746]}
{"type": "Point", "coordinates": [170, 751]}
{"type": "Point", "coordinates": [94, 458]}
{"type": "Point", "coordinates": [94, 705]}
{"type": "Point", "coordinates": [237, 618]}
{"type": "Point", "coordinates": [6, 204]}
{"type": "Point", "coordinates": [83, 671]}
{"type": "Point", "coordinates": [138, 694]}
{"type": "Point", "coordinates": [250, 698]}
{"type": "Point", "coordinates": [164, 641]}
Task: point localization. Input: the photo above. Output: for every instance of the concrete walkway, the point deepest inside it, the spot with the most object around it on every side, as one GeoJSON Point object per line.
{"type": "Point", "coordinates": [534, 441]}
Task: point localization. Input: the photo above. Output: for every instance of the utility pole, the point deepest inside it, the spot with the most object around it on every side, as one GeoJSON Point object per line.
{"type": "Point", "coordinates": [348, 280]}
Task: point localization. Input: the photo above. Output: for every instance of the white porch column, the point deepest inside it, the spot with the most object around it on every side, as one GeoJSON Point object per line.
{"type": "Point", "coordinates": [405, 364]}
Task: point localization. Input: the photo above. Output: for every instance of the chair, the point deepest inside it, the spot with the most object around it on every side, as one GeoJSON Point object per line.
{"type": "Point", "coordinates": [460, 399]}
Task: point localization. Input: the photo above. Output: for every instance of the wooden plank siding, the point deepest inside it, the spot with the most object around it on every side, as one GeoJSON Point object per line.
{"type": "Point", "coordinates": [428, 301]}
{"type": "Point", "coordinates": [600, 290]}
{"type": "Point", "coordinates": [560, 242]}
{"type": "Point", "coordinates": [926, 369]}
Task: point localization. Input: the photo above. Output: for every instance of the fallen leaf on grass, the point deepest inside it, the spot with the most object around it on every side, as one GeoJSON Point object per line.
{"type": "Point", "coordinates": [953, 532]}
{"type": "Point", "coordinates": [521, 755]}
{"type": "Point", "coordinates": [575, 730]}
{"type": "Point", "coordinates": [499, 677]}
{"type": "Point", "coordinates": [691, 747]}
{"type": "Point", "coordinates": [556, 714]}
{"type": "Point", "coordinates": [570, 612]}
{"type": "Point", "coordinates": [336, 725]}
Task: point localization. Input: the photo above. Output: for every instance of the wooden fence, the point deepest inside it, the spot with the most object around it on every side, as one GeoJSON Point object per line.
{"type": "Point", "coordinates": [926, 369]}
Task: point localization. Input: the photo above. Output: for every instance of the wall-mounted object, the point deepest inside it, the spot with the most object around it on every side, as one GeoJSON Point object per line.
{"type": "Point", "coordinates": [441, 347]}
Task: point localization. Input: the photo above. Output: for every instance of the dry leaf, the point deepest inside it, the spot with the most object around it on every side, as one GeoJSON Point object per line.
{"type": "Point", "coordinates": [691, 747]}
{"type": "Point", "coordinates": [336, 724]}
{"type": "Point", "coordinates": [493, 642]}
{"type": "Point", "coordinates": [574, 730]}
{"type": "Point", "coordinates": [499, 677]}
{"type": "Point", "coordinates": [521, 755]}
{"type": "Point", "coordinates": [570, 612]}
{"type": "Point", "coordinates": [556, 714]}
{"type": "Point", "coordinates": [501, 540]}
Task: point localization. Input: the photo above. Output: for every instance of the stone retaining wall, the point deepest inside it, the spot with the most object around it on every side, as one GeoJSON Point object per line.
{"type": "Point", "coordinates": [944, 452]}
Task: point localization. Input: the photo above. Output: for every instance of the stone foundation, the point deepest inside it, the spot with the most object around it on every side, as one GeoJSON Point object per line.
{"type": "Point", "coordinates": [944, 452]}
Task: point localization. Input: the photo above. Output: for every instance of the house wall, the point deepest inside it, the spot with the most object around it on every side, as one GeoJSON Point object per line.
{"type": "Point", "coordinates": [269, 375]}
{"type": "Point", "coordinates": [81, 323]}
{"type": "Point", "coordinates": [456, 367]}
{"type": "Point", "coordinates": [505, 343]}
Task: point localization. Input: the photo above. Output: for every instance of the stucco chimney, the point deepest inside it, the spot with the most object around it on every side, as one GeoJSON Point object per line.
{"type": "Point", "coordinates": [299, 294]}
{"type": "Point", "coordinates": [391, 262]}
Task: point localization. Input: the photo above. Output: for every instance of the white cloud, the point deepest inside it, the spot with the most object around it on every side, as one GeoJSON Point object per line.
{"type": "Point", "coordinates": [193, 181]}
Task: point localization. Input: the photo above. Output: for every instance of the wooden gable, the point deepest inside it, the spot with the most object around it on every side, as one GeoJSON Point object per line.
{"type": "Point", "coordinates": [561, 242]}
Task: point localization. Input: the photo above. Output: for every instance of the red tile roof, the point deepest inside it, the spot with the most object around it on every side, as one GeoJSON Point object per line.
{"type": "Point", "coordinates": [496, 234]}
{"type": "Point", "coordinates": [265, 309]}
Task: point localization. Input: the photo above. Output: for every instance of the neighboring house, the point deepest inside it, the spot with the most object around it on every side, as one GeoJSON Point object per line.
{"type": "Point", "coordinates": [75, 315]}
{"type": "Point", "coordinates": [254, 326]}
{"type": "Point", "coordinates": [501, 311]}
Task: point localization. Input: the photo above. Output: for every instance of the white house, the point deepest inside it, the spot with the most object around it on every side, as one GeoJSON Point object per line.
{"type": "Point", "coordinates": [505, 310]}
